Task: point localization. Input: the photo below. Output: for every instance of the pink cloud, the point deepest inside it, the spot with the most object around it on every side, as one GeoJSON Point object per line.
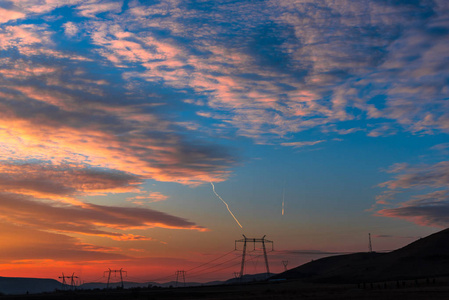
{"type": "Point", "coordinates": [301, 144]}
{"type": "Point", "coordinates": [8, 15]}
{"type": "Point", "coordinates": [70, 29]}
{"type": "Point", "coordinates": [90, 10]}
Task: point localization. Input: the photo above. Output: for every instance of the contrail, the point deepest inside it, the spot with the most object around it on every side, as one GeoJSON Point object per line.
{"type": "Point", "coordinates": [283, 197]}
{"type": "Point", "coordinates": [227, 206]}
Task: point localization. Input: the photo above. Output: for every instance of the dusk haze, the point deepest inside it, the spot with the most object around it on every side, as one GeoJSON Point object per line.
{"type": "Point", "coordinates": [150, 136]}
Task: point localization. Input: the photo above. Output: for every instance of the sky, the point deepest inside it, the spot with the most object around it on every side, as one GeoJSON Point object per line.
{"type": "Point", "coordinates": [317, 122]}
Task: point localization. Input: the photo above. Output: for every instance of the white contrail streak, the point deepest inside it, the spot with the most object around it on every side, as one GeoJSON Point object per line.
{"type": "Point", "coordinates": [283, 197]}
{"type": "Point", "coordinates": [227, 206]}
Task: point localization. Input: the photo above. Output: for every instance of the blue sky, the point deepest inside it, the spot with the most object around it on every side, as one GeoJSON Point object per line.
{"type": "Point", "coordinates": [115, 116]}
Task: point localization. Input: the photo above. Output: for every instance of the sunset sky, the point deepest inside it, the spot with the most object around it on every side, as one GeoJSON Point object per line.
{"type": "Point", "coordinates": [318, 122]}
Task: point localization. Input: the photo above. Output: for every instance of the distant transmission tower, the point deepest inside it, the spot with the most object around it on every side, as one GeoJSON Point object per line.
{"type": "Point", "coordinates": [370, 246]}
{"type": "Point", "coordinates": [121, 272]}
{"type": "Point", "coordinates": [181, 274]}
{"type": "Point", "coordinates": [285, 263]}
{"type": "Point", "coordinates": [72, 281]}
{"type": "Point", "coordinates": [246, 240]}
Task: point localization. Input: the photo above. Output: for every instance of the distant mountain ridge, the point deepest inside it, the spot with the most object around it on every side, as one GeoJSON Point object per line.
{"type": "Point", "coordinates": [18, 285]}
{"type": "Point", "coordinates": [425, 258]}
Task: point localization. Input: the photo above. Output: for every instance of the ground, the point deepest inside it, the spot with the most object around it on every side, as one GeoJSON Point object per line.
{"type": "Point", "coordinates": [411, 290]}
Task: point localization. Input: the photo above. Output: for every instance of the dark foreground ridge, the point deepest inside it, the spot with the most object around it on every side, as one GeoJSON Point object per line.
{"type": "Point", "coordinates": [280, 290]}
{"type": "Point", "coordinates": [425, 258]}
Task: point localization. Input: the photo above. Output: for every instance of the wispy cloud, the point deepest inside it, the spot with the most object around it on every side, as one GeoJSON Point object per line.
{"type": "Point", "coordinates": [301, 144]}
{"type": "Point", "coordinates": [436, 175]}
{"type": "Point", "coordinates": [147, 197]}
{"type": "Point", "coordinates": [310, 67]}
{"type": "Point", "coordinates": [430, 209]}
{"type": "Point", "coordinates": [27, 243]}
{"type": "Point", "coordinates": [8, 15]}
{"type": "Point", "coordinates": [87, 219]}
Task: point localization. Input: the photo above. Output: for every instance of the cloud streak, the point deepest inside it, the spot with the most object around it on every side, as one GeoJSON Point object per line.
{"type": "Point", "coordinates": [88, 219]}
{"type": "Point", "coordinates": [430, 209]}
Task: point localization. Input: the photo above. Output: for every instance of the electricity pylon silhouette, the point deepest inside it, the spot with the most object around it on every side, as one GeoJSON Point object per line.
{"type": "Point", "coordinates": [72, 281]}
{"type": "Point", "coordinates": [246, 240]}
{"type": "Point", "coordinates": [370, 246]}
{"type": "Point", "coordinates": [121, 271]}
{"type": "Point", "coordinates": [181, 273]}
{"type": "Point", "coordinates": [285, 263]}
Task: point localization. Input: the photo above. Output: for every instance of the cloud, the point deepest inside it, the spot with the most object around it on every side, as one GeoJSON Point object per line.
{"type": "Point", "coordinates": [33, 40]}
{"type": "Point", "coordinates": [309, 252]}
{"type": "Point", "coordinates": [70, 29]}
{"type": "Point", "coordinates": [430, 209]}
{"type": "Point", "coordinates": [28, 243]}
{"type": "Point", "coordinates": [301, 144]}
{"type": "Point", "coordinates": [394, 236]}
{"type": "Point", "coordinates": [8, 15]}
{"type": "Point", "coordinates": [44, 180]}
{"type": "Point", "coordinates": [87, 219]}
{"type": "Point", "coordinates": [436, 175]}
{"type": "Point", "coordinates": [292, 75]}
{"type": "Point", "coordinates": [291, 67]}
{"type": "Point", "coordinates": [90, 10]}
{"type": "Point", "coordinates": [434, 214]}
{"type": "Point", "coordinates": [104, 131]}
{"type": "Point", "coordinates": [148, 197]}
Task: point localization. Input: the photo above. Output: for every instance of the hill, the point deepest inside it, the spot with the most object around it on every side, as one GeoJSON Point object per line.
{"type": "Point", "coordinates": [425, 258]}
{"type": "Point", "coordinates": [17, 285]}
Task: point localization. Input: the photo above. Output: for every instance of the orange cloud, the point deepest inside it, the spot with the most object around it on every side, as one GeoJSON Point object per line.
{"type": "Point", "coordinates": [88, 219]}
{"type": "Point", "coordinates": [147, 198]}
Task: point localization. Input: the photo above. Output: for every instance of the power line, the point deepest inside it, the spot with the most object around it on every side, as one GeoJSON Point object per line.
{"type": "Point", "coordinates": [227, 267]}
{"type": "Point", "coordinates": [211, 261]}
{"type": "Point", "coordinates": [214, 266]}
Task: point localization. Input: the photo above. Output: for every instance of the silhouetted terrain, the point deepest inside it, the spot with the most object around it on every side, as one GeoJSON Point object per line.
{"type": "Point", "coordinates": [425, 258]}
{"type": "Point", "coordinates": [418, 271]}
{"type": "Point", "coordinates": [15, 285]}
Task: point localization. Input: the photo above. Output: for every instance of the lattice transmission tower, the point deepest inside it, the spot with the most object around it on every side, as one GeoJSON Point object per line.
{"type": "Point", "coordinates": [285, 264]}
{"type": "Point", "coordinates": [121, 272]}
{"type": "Point", "coordinates": [245, 241]}
{"type": "Point", "coordinates": [72, 281]}
{"type": "Point", "coordinates": [181, 274]}
{"type": "Point", "coordinates": [370, 246]}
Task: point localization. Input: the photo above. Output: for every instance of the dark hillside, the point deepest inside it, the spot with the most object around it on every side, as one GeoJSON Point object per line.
{"type": "Point", "coordinates": [425, 258]}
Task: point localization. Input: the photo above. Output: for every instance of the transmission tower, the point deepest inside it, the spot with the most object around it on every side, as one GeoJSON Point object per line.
{"type": "Point", "coordinates": [182, 274]}
{"type": "Point", "coordinates": [285, 263]}
{"type": "Point", "coordinates": [72, 281]}
{"type": "Point", "coordinates": [370, 246]}
{"type": "Point", "coordinates": [121, 272]}
{"type": "Point", "coordinates": [246, 240]}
